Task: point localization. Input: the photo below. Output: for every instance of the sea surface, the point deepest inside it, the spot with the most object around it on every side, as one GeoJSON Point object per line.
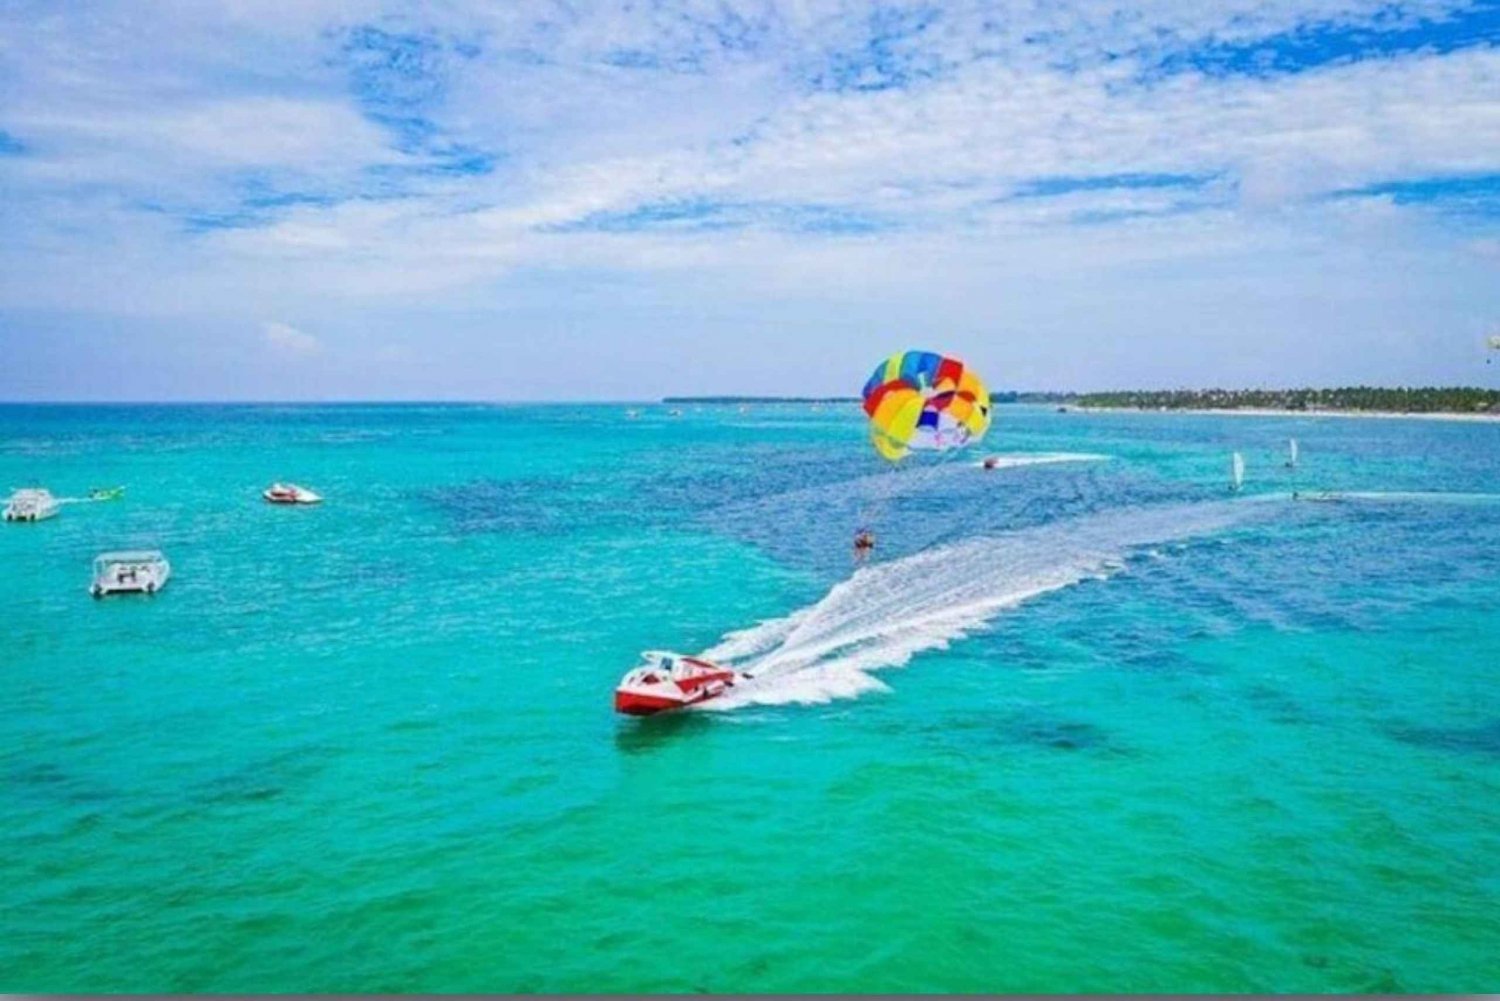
{"type": "Point", "coordinates": [1086, 722]}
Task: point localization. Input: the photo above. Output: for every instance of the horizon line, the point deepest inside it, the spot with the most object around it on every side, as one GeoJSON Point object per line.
{"type": "Point", "coordinates": [699, 399]}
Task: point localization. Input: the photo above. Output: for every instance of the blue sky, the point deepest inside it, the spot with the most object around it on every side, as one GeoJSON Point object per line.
{"type": "Point", "coordinates": [339, 199]}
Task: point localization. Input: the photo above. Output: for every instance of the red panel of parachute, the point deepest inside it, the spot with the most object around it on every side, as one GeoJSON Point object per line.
{"type": "Point", "coordinates": [950, 369]}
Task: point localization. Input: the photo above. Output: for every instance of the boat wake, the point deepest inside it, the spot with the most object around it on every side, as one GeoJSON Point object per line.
{"type": "Point", "coordinates": [887, 613]}
{"type": "Point", "coordinates": [1012, 460]}
{"type": "Point", "coordinates": [1402, 496]}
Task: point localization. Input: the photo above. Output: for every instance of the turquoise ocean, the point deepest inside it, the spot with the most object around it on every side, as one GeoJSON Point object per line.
{"type": "Point", "coordinates": [1087, 721]}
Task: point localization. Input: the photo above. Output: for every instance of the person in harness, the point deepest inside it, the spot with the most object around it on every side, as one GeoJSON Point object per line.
{"type": "Point", "coordinates": [864, 542]}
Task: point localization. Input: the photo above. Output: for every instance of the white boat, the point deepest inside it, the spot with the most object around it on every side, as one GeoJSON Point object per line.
{"type": "Point", "coordinates": [137, 572]}
{"type": "Point", "coordinates": [1236, 471]}
{"type": "Point", "coordinates": [1291, 449]}
{"type": "Point", "coordinates": [31, 504]}
{"type": "Point", "coordinates": [290, 493]}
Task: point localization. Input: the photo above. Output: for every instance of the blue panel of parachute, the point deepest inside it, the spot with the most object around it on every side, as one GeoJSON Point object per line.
{"type": "Point", "coordinates": [920, 367]}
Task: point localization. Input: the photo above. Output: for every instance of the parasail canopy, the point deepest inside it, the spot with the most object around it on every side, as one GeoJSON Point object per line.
{"type": "Point", "coordinates": [923, 401]}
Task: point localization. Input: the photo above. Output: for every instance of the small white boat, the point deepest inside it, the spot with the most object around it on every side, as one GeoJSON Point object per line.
{"type": "Point", "coordinates": [290, 493]}
{"type": "Point", "coordinates": [1236, 472]}
{"type": "Point", "coordinates": [32, 504]}
{"type": "Point", "coordinates": [138, 572]}
{"type": "Point", "coordinates": [631, 415]}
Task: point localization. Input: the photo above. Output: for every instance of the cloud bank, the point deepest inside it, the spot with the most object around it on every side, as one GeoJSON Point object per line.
{"type": "Point", "coordinates": [607, 198]}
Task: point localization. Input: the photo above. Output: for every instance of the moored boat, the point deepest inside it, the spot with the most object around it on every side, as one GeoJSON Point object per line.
{"type": "Point", "coordinates": [133, 572]}
{"type": "Point", "coordinates": [31, 504]}
{"type": "Point", "coordinates": [290, 493]}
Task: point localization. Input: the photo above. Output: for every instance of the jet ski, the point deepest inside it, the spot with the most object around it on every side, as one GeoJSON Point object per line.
{"type": "Point", "coordinates": [672, 681]}
{"type": "Point", "coordinates": [290, 493]}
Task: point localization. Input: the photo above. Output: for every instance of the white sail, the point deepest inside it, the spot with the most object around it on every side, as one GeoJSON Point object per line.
{"type": "Point", "coordinates": [1236, 471]}
{"type": "Point", "coordinates": [1291, 453]}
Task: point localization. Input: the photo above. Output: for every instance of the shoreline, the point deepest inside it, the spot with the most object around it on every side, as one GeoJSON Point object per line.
{"type": "Point", "coordinates": [1270, 412]}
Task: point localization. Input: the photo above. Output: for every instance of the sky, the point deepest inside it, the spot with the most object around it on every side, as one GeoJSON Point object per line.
{"type": "Point", "coordinates": [341, 199]}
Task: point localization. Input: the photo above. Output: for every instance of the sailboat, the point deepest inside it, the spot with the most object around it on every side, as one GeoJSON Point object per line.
{"type": "Point", "coordinates": [1291, 450]}
{"type": "Point", "coordinates": [1236, 472]}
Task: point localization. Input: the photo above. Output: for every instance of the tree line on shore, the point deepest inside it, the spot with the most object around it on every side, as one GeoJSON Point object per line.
{"type": "Point", "coordinates": [1402, 399]}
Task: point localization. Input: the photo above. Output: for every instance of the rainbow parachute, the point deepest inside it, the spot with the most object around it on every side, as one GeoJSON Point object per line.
{"type": "Point", "coordinates": [918, 400]}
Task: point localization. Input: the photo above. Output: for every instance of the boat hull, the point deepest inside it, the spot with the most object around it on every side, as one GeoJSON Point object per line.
{"type": "Point", "coordinates": [648, 701]}
{"type": "Point", "coordinates": [642, 704]}
{"type": "Point", "coordinates": [30, 516]}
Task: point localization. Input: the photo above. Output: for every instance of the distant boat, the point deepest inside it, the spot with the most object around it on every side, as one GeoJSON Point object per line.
{"type": "Point", "coordinates": [675, 412]}
{"type": "Point", "coordinates": [1291, 449]}
{"type": "Point", "coordinates": [290, 493]}
{"type": "Point", "coordinates": [106, 493]}
{"type": "Point", "coordinates": [1236, 471]}
{"type": "Point", "coordinates": [31, 504]}
{"type": "Point", "coordinates": [631, 415]}
{"type": "Point", "coordinates": [143, 572]}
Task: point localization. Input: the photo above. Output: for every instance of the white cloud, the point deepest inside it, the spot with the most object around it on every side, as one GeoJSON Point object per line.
{"type": "Point", "coordinates": [288, 339]}
{"type": "Point", "coordinates": [147, 149]}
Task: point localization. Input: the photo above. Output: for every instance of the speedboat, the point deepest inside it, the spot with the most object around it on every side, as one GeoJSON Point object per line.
{"type": "Point", "coordinates": [672, 681]}
{"type": "Point", "coordinates": [290, 493]}
{"type": "Point", "coordinates": [141, 572]}
{"type": "Point", "coordinates": [33, 504]}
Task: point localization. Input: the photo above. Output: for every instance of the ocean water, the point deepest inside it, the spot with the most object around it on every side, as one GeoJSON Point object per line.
{"type": "Point", "coordinates": [1086, 722]}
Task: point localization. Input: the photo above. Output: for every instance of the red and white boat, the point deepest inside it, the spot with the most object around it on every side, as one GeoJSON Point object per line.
{"type": "Point", "coordinates": [290, 493]}
{"type": "Point", "coordinates": [672, 681]}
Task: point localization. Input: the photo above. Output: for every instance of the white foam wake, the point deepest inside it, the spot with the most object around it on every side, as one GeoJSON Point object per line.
{"type": "Point", "coordinates": [1012, 460]}
{"type": "Point", "coordinates": [1415, 496]}
{"type": "Point", "coordinates": [886, 613]}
